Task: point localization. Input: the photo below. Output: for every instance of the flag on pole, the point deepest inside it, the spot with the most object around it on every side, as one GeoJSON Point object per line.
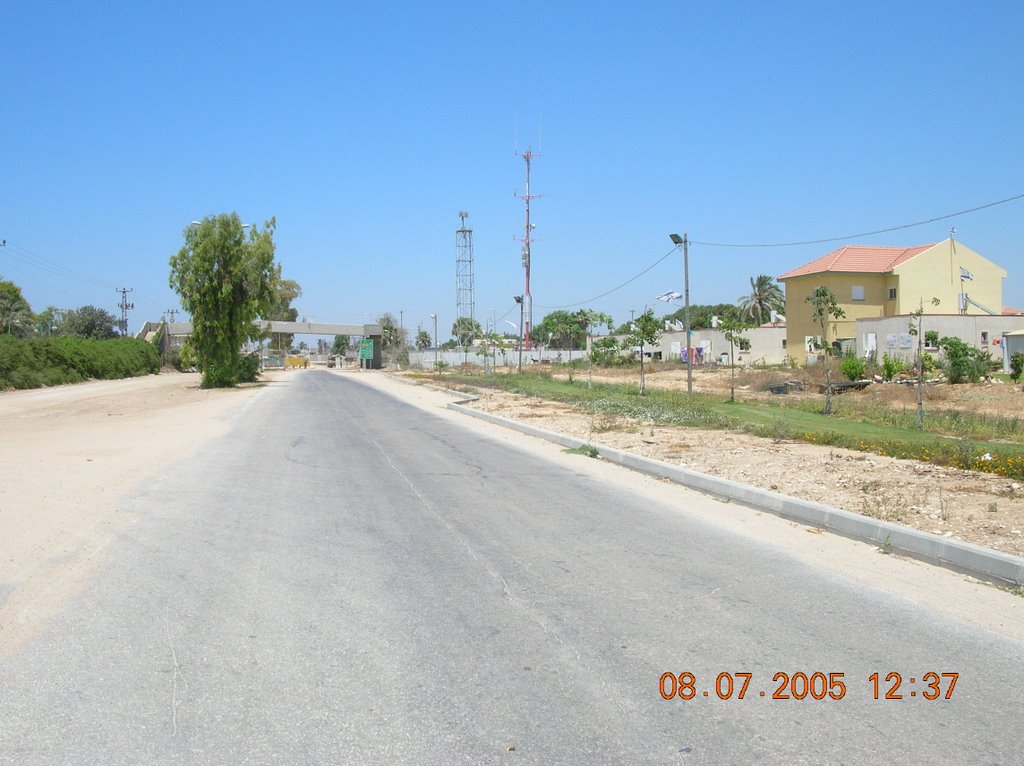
{"type": "Point", "coordinates": [672, 295]}
{"type": "Point", "coordinates": [965, 274]}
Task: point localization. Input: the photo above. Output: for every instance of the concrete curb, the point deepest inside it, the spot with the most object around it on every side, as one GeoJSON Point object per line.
{"type": "Point", "coordinates": [964, 557]}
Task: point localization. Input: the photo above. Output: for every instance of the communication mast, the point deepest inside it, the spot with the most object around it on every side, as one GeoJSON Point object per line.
{"type": "Point", "coordinates": [465, 293]}
{"type": "Point", "coordinates": [527, 307]}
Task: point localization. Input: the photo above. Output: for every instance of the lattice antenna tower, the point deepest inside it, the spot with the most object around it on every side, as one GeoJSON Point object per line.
{"type": "Point", "coordinates": [527, 240]}
{"type": "Point", "coordinates": [465, 292]}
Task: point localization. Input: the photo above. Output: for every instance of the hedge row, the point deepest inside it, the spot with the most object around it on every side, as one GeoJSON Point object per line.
{"type": "Point", "coordinates": [35, 362]}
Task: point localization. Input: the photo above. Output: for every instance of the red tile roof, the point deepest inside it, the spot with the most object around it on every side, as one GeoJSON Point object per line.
{"type": "Point", "coordinates": [859, 259]}
{"type": "Point", "coordinates": [1010, 311]}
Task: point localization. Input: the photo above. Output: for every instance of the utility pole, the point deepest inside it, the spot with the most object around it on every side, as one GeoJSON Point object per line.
{"type": "Point", "coordinates": [685, 242]}
{"type": "Point", "coordinates": [124, 305]}
{"type": "Point", "coordinates": [527, 239]}
{"type": "Point", "coordinates": [519, 300]}
{"type": "Point", "coordinates": [686, 311]}
{"type": "Point", "coordinates": [173, 313]}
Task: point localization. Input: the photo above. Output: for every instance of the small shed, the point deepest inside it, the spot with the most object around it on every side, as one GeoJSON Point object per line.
{"type": "Point", "coordinates": [1013, 343]}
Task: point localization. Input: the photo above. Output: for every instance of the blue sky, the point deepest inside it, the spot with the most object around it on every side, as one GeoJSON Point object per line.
{"type": "Point", "coordinates": [365, 128]}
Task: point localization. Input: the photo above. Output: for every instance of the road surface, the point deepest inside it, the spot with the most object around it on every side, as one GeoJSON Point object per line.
{"type": "Point", "coordinates": [347, 578]}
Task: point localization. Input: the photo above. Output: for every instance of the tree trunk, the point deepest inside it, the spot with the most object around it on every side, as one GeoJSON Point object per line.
{"type": "Point", "coordinates": [828, 382]}
{"type": "Point", "coordinates": [732, 375]}
{"type": "Point", "coordinates": [641, 368]}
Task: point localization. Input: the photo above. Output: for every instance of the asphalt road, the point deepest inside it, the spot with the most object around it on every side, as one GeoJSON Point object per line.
{"type": "Point", "coordinates": [345, 578]}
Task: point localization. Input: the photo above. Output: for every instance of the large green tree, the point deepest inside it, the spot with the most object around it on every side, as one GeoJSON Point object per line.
{"type": "Point", "coordinates": [340, 345]}
{"type": "Point", "coordinates": [392, 336]}
{"type": "Point", "coordinates": [560, 329]}
{"type": "Point", "coordinates": [423, 340]}
{"type": "Point", "coordinates": [765, 297]}
{"type": "Point", "coordinates": [89, 322]}
{"type": "Point", "coordinates": [286, 291]}
{"type": "Point", "coordinates": [393, 341]}
{"type": "Point", "coordinates": [50, 320]}
{"type": "Point", "coordinates": [465, 329]}
{"type": "Point", "coordinates": [225, 278]}
{"type": "Point", "coordinates": [15, 313]}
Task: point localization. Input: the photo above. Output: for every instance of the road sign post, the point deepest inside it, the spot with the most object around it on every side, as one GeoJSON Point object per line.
{"type": "Point", "coordinates": [366, 352]}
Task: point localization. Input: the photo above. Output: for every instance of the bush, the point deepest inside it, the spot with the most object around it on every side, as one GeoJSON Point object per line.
{"type": "Point", "coordinates": [1016, 366]}
{"type": "Point", "coordinates": [35, 362]}
{"type": "Point", "coordinates": [604, 352]}
{"type": "Point", "coordinates": [892, 366]}
{"type": "Point", "coordinates": [249, 368]}
{"type": "Point", "coordinates": [853, 368]}
{"type": "Point", "coordinates": [962, 362]}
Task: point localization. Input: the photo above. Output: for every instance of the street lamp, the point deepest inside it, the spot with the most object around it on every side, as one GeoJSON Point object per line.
{"type": "Point", "coordinates": [685, 242]}
{"type": "Point", "coordinates": [434, 317]}
{"type": "Point", "coordinates": [519, 300]}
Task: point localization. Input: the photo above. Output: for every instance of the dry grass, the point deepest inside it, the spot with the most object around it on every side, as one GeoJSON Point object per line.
{"type": "Point", "coordinates": [603, 422]}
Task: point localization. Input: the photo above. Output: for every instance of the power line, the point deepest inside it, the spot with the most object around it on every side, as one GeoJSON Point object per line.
{"type": "Point", "coordinates": [795, 244]}
{"type": "Point", "coordinates": [863, 233]}
{"type": "Point", "coordinates": [37, 261]}
{"type": "Point", "coordinates": [614, 289]}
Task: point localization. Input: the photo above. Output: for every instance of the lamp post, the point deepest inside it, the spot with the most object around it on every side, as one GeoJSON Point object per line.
{"type": "Point", "coordinates": [434, 317]}
{"type": "Point", "coordinates": [519, 300]}
{"type": "Point", "coordinates": [685, 242]}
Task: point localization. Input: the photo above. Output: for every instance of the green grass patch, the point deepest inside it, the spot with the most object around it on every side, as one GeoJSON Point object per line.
{"type": "Point", "coordinates": [957, 423]}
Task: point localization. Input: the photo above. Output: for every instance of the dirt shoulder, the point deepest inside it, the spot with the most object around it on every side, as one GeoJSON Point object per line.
{"type": "Point", "coordinates": [70, 453]}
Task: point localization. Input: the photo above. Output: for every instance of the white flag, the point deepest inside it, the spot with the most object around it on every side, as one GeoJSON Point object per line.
{"type": "Point", "coordinates": [965, 274]}
{"type": "Point", "coordinates": [671, 295]}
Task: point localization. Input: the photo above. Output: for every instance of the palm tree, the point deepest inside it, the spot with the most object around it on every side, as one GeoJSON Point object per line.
{"type": "Point", "coordinates": [15, 315]}
{"type": "Point", "coordinates": [765, 297]}
{"type": "Point", "coordinates": [465, 329]}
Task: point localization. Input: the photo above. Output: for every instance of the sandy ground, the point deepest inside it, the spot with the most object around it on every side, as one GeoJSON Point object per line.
{"type": "Point", "coordinates": [70, 453]}
{"type": "Point", "coordinates": [980, 508]}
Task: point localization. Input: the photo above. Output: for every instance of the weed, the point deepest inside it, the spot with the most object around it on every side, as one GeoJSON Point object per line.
{"type": "Point", "coordinates": [587, 450]}
{"type": "Point", "coordinates": [886, 546]}
{"type": "Point", "coordinates": [603, 422]}
{"type": "Point", "coordinates": [943, 506]}
{"type": "Point", "coordinates": [885, 508]}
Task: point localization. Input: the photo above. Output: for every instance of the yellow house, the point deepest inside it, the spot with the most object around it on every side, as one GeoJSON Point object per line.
{"type": "Point", "coordinates": [889, 281]}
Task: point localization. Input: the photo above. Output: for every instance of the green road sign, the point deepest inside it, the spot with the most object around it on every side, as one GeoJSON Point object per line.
{"type": "Point", "coordinates": [366, 349]}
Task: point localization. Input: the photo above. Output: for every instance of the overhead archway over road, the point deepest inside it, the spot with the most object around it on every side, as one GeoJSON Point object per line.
{"type": "Point", "coordinates": [371, 331]}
